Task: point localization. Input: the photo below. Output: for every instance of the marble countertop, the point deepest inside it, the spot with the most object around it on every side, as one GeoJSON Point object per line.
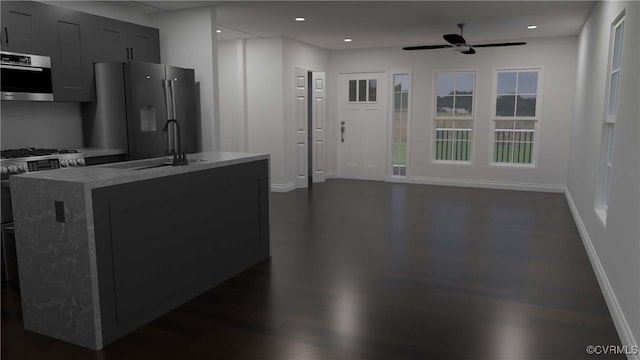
{"type": "Point", "coordinates": [95, 152]}
{"type": "Point", "coordinates": [138, 170]}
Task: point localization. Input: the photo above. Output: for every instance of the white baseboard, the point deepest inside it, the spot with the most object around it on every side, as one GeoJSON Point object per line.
{"type": "Point", "coordinates": [620, 321]}
{"type": "Point", "coordinates": [282, 188]}
{"type": "Point", "coordinates": [501, 185]}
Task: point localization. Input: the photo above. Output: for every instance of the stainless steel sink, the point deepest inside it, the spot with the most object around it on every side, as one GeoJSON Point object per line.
{"type": "Point", "coordinates": [151, 166]}
{"type": "Point", "coordinates": [147, 164]}
{"type": "Point", "coordinates": [140, 164]}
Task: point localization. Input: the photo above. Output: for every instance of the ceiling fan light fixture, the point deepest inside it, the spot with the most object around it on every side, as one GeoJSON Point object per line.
{"type": "Point", "coordinates": [461, 48]}
{"type": "Point", "coordinates": [347, 40]}
{"type": "Point", "coordinates": [300, 18]}
{"type": "Point", "coordinates": [532, 27]}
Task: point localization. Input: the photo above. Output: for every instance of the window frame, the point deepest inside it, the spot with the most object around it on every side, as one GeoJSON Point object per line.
{"type": "Point", "coordinates": [607, 139]}
{"type": "Point", "coordinates": [534, 119]}
{"type": "Point", "coordinates": [367, 87]}
{"type": "Point", "coordinates": [392, 73]}
{"type": "Point", "coordinates": [472, 117]}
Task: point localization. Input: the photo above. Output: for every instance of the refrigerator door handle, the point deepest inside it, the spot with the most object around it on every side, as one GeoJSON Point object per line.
{"type": "Point", "coordinates": [170, 143]}
{"type": "Point", "coordinates": [176, 133]}
{"type": "Point", "coordinates": [173, 99]}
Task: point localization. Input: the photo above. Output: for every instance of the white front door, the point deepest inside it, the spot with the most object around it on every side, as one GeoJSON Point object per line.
{"type": "Point", "coordinates": [362, 119]}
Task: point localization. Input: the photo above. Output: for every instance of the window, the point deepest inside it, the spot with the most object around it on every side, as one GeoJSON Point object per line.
{"type": "Point", "coordinates": [399, 124]}
{"type": "Point", "coordinates": [453, 120]}
{"type": "Point", "coordinates": [608, 129]}
{"type": "Point", "coordinates": [516, 115]}
{"type": "Point", "coordinates": [363, 90]}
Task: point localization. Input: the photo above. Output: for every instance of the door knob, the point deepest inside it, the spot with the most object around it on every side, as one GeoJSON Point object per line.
{"type": "Point", "coordinates": [342, 129]}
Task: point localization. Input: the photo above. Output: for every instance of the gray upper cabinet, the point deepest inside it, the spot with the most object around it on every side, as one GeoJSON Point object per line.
{"type": "Point", "coordinates": [72, 57]}
{"type": "Point", "coordinates": [144, 43]}
{"type": "Point", "coordinates": [74, 41]}
{"type": "Point", "coordinates": [121, 41]}
{"type": "Point", "coordinates": [24, 29]}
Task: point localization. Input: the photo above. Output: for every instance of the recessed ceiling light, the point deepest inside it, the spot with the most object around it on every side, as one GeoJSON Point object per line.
{"type": "Point", "coordinates": [218, 31]}
{"type": "Point", "coordinates": [300, 18]}
{"type": "Point", "coordinates": [531, 27]}
{"type": "Point", "coordinates": [348, 39]}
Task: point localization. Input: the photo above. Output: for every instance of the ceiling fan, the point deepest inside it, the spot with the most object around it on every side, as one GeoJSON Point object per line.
{"type": "Point", "coordinates": [458, 43]}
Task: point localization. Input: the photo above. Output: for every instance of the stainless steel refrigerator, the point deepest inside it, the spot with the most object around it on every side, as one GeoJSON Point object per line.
{"type": "Point", "coordinates": [134, 101]}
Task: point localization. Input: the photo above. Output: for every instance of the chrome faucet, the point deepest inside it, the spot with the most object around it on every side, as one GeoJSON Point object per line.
{"type": "Point", "coordinates": [179, 158]}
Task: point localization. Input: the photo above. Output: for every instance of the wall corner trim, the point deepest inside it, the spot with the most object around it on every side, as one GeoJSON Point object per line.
{"type": "Point", "coordinates": [620, 321]}
{"type": "Point", "coordinates": [282, 188]}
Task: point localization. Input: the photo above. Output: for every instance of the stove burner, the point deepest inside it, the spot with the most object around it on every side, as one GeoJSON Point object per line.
{"type": "Point", "coordinates": [20, 153]}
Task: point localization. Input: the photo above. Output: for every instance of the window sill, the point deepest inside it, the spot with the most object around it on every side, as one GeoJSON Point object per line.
{"type": "Point", "coordinates": [513, 165]}
{"type": "Point", "coordinates": [602, 215]}
{"type": "Point", "coordinates": [451, 162]}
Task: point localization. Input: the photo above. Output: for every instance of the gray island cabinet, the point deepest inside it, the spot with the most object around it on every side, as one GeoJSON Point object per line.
{"type": "Point", "coordinates": [105, 249]}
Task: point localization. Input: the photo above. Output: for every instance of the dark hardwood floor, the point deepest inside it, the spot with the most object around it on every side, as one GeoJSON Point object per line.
{"type": "Point", "coordinates": [372, 270]}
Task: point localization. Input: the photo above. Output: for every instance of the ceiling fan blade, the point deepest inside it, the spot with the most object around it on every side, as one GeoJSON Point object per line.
{"type": "Point", "coordinates": [469, 52]}
{"type": "Point", "coordinates": [426, 47]}
{"type": "Point", "coordinates": [500, 44]}
{"type": "Point", "coordinates": [454, 39]}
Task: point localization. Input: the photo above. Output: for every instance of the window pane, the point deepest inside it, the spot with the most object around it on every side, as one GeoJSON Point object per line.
{"type": "Point", "coordinates": [352, 90]}
{"type": "Point", "coordinates": [464, 105]}
{"type": "Point", "coordinates": [445, 84]}
{"type": "Point", "coordinates": [524, 124]}
{"type": "Point", "coordinates": [405, 83]}
{"type": "Point", "coordinates": [613, 94]}
{"type": "Point", "coordinates": [464, 83]}
{"type": "Point", "coordinates": [505, 124]}
{"type": "Point", "coordinates": [405, 101]}
{"type": "Point", "coordinates": [505, 105]}
{"type": "Point", "coordinates": [362, 90]}
{"type": "Point", "coordinates": [373, 85]}
{"type": "Point", "coordinates": [507, 83]}
{"type": "Point", "coordinates": [397, 101]}
{"type": "Point", "coordinates": [526, 105]}
{"type": "Point", "coordinates": [617, 47]}
{"type": "Point", "coordinates": [528, 82]}
{"type": "Point", "coordinates": [444, 106]}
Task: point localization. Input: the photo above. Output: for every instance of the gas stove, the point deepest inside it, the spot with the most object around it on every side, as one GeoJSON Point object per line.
{"type": "Point", "coordinates": [17, 161]}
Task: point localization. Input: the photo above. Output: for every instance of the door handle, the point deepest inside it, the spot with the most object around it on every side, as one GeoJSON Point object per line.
{"type": "Point", "coordinates": [6, 35]}
{"type": "Point", "coordinates": [342, 129]}
{"type": "Point", "coordinates": [165, 90]}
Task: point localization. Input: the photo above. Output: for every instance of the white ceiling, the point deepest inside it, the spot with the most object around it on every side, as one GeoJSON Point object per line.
{"type": "Point", "coordinates": [388, 23]}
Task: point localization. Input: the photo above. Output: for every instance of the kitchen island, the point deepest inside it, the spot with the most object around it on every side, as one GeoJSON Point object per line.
{"type": "Point", "coordinates": [103, 250]}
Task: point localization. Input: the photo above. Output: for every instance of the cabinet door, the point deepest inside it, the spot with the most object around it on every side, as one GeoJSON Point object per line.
{"type": "Point", "coordinates": [72, 60]}
{"type": "Point", "coordinates": [112, 41]}
{"type": "Point", "coordinates": [24, 29]}
{"type": "Point", "coordinates": [144, 43]}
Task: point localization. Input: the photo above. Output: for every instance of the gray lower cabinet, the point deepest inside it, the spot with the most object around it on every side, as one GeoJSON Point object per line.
{"type": "Point", "coordinates": [162, 242]}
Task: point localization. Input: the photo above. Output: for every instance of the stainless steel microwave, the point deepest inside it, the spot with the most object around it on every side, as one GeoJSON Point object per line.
{"type": "Point", "coordinates": [25, 77]}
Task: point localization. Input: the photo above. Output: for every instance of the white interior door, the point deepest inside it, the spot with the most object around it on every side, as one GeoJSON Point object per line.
{"type": "Point", "coordinates": [318, 91]}
{"type": "Point", "coordinates": [301, 114]}
{"type": "Point", "coordinates": [362, 125]}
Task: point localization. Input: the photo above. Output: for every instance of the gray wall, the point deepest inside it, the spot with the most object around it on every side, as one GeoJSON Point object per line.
{"type": "Point", "coordinates": [40, 124]}
{"type": "Point", "coordinates": [614, 248]}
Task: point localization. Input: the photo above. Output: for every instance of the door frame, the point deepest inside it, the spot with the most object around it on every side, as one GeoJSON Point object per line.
{"type": "Point", "coordinates": [310, 112]}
